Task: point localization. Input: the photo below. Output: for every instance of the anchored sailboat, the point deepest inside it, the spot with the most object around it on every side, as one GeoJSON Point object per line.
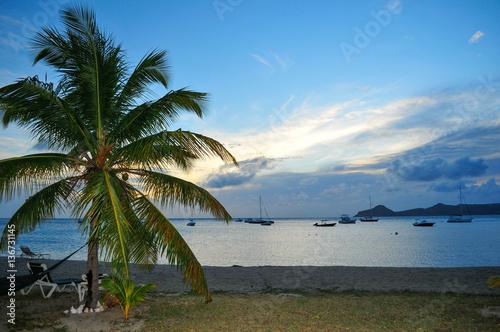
{"type": "Point", "coordinates": [370, 218]}
{"type": "Point", "coordinates": [460, 217]}
{"type": "Point", "coordinates": [261, 221]}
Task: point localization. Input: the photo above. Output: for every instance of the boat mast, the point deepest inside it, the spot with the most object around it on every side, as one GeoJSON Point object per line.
{"type": "Point", "coordinates": [460, 190]}
{"type": "Point", "coordinates": [260, 206]}
{"type": "Point", "coordinates": [371, 209]}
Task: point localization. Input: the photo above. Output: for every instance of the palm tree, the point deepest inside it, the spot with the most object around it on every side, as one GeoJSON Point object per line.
{"type": "Point", "coordinates": [110, 150]}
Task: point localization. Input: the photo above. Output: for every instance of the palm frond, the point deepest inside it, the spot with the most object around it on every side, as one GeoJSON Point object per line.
{"type": "Point", "coordinates": [178, 148]}
{"type": "Point", "coordinates": [155, 152]}
{"type": "Point", "coordinates": [173, 245]}
{"type": "Point", "coordinates": [38, 209]}
{"type": "Point", "coordinates": [184, 99]}
{"type": "Point", "coordinates": [35, 105]}
{"type": "Point", "coordinates": [151, 69]}
{"type": "Point", "coordinates": [172, 191]}
{"type": "Point", "coordinates": [143, 244]}
{"type": "Point", "coordinates": [107, 204]}
{"type": "Point", "coordinates": [80, 19]}
{"type": "Point", "coordinates": [19, 173]}
{"type": "Point", "coordinates": [88, 60]}
{"type": "Point", "coordinates": [52, 47]}
{"type": "Point", "coordinates": [200, 145]}
{"type": "Point", "coordinates": [150, 117]}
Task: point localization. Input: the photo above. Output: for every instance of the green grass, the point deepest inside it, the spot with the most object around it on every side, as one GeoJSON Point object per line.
{"type": "Point", "coordinates": [356, 311]}
{"type": "Point", "coordinates": [273, 311]}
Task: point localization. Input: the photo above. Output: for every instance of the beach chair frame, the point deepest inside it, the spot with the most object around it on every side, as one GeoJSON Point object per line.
{"type": "Point", "coordinates": [84, 286]}
{"type": "Point", "coordinates": [26, 252]}
{"type": "Point", "coordinates": [47, 281]}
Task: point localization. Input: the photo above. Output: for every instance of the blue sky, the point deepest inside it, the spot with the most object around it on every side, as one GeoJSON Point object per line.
{"type": "Point", "coordinates": [323, 103]}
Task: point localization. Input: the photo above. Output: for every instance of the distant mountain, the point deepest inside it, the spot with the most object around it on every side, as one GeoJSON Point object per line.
{"type": "Point", "coordinates": [436, 210]}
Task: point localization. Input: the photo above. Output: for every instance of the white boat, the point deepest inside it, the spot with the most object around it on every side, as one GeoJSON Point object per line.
{"type": "Point", "coordinates": [423, 223]}
{"type": "Point", "coordinates": [460, 217]}
{"type": "Point", "coordinates": [344, 219]}
{"type": "Point", "coordinates": [369, 218]}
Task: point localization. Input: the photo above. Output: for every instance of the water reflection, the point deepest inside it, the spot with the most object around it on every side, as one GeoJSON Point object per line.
{"type": "Point", "coordinates": [391, 242]}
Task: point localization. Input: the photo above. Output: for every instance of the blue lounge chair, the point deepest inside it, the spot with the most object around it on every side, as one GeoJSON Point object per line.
{"type": "Point", "coordinates": [23, 281]}
{"type": "Point", "coordinates": [30, 254]}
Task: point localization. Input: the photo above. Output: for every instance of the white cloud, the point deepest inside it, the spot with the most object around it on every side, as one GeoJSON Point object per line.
{"type": "Point", "coordinates": [359, 133]}
{"type": "Point", "coordinates": [339, 189]}
{"type": "Point", "coordinates": [13, 147]}
{"type": "Point", "coordinates": [308, 181]}
{"type": "Point", "coordinates": [327, 134]}
{"type": "Point", "coordinates": [230, 176]}
{"type": "Point", "coordinates": [10, 21]}
{"type": "Point", "coordinates": [263, 61]}
{"type": "Point", "coordinates": [475, 38]}
{"type": "Point", "coordinates": [300, 196]}
{"type": "Point", "coordinates": [272, 60]}
{"type": "Point", "coordinates": [8, 77]}
{"type": "Point", "coordinates": [285, 63]}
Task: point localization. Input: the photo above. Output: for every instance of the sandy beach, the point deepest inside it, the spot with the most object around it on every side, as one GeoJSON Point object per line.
{"type": "Point", "coordinates": [238, 279]}
{"type": "Point", "coordinates": [253, 280]}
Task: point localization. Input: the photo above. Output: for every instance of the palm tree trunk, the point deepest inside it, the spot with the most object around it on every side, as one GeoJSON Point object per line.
{"type": "Point", "coordinates": [92, 271]}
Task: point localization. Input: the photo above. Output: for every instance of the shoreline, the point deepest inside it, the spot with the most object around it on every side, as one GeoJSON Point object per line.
{"type": "Point", "coordinates": [257, 279]}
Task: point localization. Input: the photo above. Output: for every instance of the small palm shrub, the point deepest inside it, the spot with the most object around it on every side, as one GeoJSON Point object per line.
{"type": "Point", "coordinates": [494, 281]}
{"type": "Point", "coordinates": [125, 292]}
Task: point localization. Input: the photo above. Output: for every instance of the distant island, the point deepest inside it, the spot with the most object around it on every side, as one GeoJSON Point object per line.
{"type": "Point", "coordinates": [436, 210]}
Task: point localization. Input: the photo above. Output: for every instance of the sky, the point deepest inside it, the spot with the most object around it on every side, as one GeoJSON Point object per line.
{"type": "Point", "coordinates": [323, 103]}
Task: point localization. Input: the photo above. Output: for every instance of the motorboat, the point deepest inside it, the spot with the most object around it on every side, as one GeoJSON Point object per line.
{"type": "Point", "coordinates": [325, 224]}
{"type": "Point", "coordinates": [344, 219]}
{"type": "Point", "coordinates": [368, 219]}
{"type": "Point", "coordinates": [191, 223]}
{"type": "Point", "coordinates": [423, 223]}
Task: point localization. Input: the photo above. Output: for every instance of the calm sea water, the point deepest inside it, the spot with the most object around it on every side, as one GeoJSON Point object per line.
{"type": "Point", "coordinates": [390, 242]}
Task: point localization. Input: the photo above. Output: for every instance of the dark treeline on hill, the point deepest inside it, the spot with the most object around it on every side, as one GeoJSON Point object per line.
{"type": "Point", "coordinates": [436, 210]}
